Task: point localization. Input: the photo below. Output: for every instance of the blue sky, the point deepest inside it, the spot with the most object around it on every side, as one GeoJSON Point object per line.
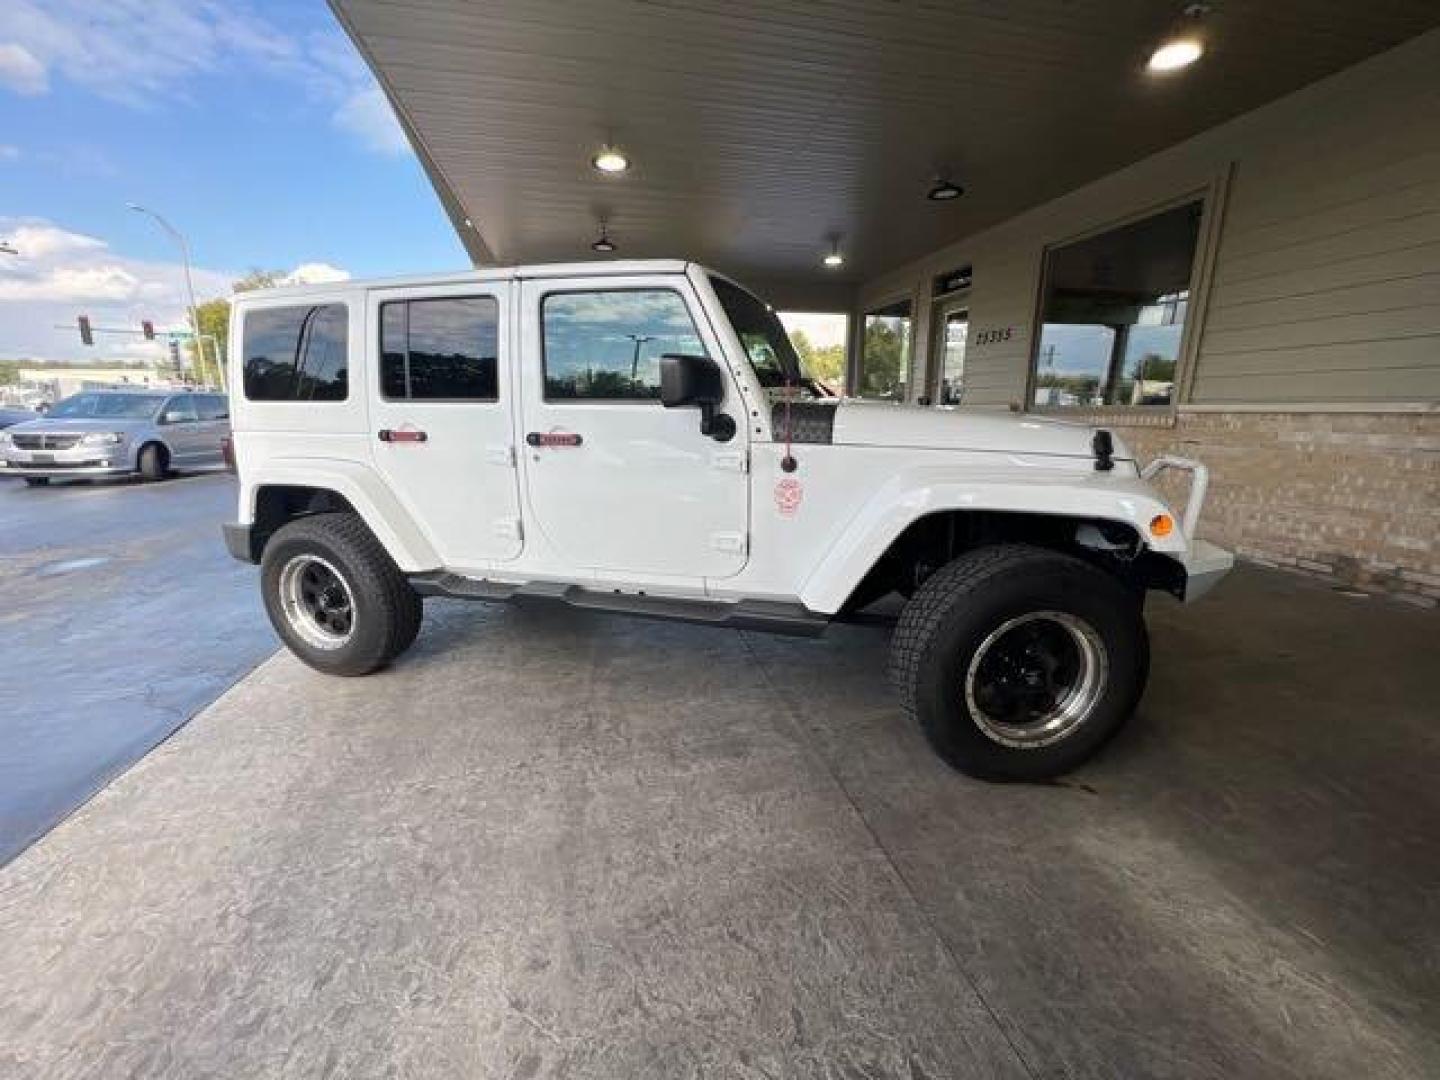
{"type": "Point", "coordinates": [253, 126]}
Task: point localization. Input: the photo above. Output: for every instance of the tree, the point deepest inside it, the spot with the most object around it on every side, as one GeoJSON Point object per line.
{"type": "Point", "coordinates": [823, 362]}
{"type": "Point", "coordinates": [214, 314]}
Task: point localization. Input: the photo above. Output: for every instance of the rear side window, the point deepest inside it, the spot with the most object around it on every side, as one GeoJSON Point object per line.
{"type": "Point", "coordinates": [607, 345]}
{"type": "Point", "coordinates": [296, 353]}
{"type": "Point", "coordinates": [443, 349]}
{"type": "Point", "coordinates": [213, 407]}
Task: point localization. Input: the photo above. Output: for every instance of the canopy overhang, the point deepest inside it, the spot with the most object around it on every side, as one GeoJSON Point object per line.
{"type": "Point", "coordinates": [764, 134]}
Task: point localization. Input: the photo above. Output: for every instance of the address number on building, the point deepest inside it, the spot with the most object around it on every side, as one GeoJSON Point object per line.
{"type": "Point", "coordinates": [995, 336]}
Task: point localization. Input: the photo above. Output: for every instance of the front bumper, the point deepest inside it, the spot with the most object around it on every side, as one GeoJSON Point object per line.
{"type": "Point", "coordinates": [89, 461]}
{"type": "Point", "coordinates": [1205, 564]}
{"type": "Point", "coordinates": [238, 541]}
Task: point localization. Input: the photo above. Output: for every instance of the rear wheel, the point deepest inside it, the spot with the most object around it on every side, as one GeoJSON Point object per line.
{"type": "Point", "coordinates": [335, 596]}
{"type": "Point", "coordinates": [1020, 662]}
{"type": "Point", "coordinates": [154, 462]}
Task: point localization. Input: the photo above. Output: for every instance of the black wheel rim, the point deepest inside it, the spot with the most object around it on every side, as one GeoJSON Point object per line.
{"type": "Point", "coordinates": [317, 602]}
{"type": "Point", "coordinates": [1036, 678]}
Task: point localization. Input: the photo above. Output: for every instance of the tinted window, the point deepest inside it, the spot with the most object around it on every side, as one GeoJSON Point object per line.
{"type": "Point", "coordinates": [1113, 314]}
{"type": "Point", "coordinates": [296, 353]}
{"type": "Point", "coordinates": [180, 409]}
{"type": "Point", "coordinates": [441, 349]}
{"type": "Point", "coordinates": [608, 345]}
{"type": "Point", "coordinates": [885, 356]}
{"type": "Point", "coordinates": [213, 407]}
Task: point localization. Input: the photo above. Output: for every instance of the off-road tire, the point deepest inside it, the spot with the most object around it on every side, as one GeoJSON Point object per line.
{"type": "Point", "coordinates": [154, 462]}
{"type": "Point", "coordinates": [959, 606]}
{"type": "Point", "coordinates": [386, 611]}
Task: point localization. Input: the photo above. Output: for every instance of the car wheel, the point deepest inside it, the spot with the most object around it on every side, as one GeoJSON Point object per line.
{"type": "Point", "coordinates": [154, 462]}
{"type": "Point", "coordinates": [335, 596]}
{"type": "Point", "coordinates": [1019, 662]}
{"type": "Point", "coordinates": [37, 481]}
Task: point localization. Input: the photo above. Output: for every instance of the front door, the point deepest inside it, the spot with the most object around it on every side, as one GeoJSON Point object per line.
{"type": "Point", "coordinates": [952, 329]}
{"type": "Point", "coordinates": [441, 432]}
{"type": "Point", "coordinates": [618, 484]}
{"type": "Point", "coordinates": [182, 429]}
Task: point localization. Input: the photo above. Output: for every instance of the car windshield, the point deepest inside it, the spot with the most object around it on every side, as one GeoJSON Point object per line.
{"type": "Point", "coordinates": [105, 407]}
{"type": "Point", "coordinates": [759, 329]}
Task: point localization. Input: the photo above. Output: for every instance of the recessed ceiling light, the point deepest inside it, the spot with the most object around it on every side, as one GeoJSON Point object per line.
{"type": "Point", "coordinates": [603, 245]}
{"type": "Point", "coordinates": [610, 160]}
{"type": "Point", "coordinates": [943, 191]}
{"type": "Point", "coordinates": [1176, 54]}
{"type": "Point", "coordinates": [834, 258]}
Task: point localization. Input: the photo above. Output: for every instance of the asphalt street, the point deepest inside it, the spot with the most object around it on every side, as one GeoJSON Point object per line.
{"type": "Point", "coordinates": [121, 616]}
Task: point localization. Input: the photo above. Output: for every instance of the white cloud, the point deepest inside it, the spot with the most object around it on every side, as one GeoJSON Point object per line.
{"type": "Point", "coordinates": [367, 115]}
{"type": "Point", "coordinates": [315, 273]}
{"type": "Point", "coordinates": [59, 274]}
{"type": "Point", "coordinates": [9, 153]}
{"type": "Point", "coordinates": [21, 71]}
{"type": "Point", "coordinates": [149, 53]}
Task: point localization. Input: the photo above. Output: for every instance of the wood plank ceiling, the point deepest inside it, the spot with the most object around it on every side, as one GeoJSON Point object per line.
{"type": "Point", "coordinates": [761, 129]}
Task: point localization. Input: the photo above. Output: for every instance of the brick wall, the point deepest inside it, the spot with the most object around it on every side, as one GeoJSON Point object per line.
{"type": "Point", "coordinates": [1352, 497]}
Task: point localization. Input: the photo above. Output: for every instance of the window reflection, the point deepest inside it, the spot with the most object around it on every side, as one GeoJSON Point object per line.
{"type": "Point", "coordinates": [1114, 314]}
{"type": "Point", "coordinates": [608, 345]}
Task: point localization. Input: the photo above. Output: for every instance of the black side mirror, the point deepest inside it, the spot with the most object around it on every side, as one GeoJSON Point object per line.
{"type": "Point", "coordinates": [696, 382]}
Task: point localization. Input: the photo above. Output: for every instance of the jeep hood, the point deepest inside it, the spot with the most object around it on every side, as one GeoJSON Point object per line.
{"type": "Point", "coordinates": [878, 423]}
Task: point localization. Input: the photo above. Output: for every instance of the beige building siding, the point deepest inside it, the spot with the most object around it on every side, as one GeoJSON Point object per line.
{"type": "Point", "coordinates": [1314, 338]}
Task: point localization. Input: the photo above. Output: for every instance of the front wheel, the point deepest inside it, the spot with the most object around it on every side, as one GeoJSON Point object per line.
{"type": "Point", "coordinates": [1019, 662]}
{"type": "Point", "coordinates": [335, 596]}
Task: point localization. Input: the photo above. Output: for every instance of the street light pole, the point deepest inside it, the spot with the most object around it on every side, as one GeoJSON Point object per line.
{"type": "Point", "coordinates": [189, 287]}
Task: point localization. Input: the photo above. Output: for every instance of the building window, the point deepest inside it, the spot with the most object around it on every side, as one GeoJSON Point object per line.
{"type": "Point", "coordinates": [885, 356]}
{"type": "Point", "coordinates": [1113, 314]}
{"type": "Point", "coordinates": [442, 349]}
{"type": "Point", "coordinates": [607, 345]}
{"type": "Point", "coordinates": [955, 332]}
{"type": "Point", "coordinates": [296, 353]}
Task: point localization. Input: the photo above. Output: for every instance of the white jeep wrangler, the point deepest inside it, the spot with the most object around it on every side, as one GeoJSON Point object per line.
{"type": "Point", "coordinates": [639, 437]}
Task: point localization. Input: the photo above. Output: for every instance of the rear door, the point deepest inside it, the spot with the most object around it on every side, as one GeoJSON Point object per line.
{"type": "Point", "coordinates": [214, 425]}
{"type": "Point", "coordinates": [620, 485]}
{"type": "Point", "coordinates": [441, 416]}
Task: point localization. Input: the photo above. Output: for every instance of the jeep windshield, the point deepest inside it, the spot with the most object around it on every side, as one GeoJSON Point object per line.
{"type": "Point", "coordinates": [105, 407]}
{"type": "Point", "coordinates": [768, 346]}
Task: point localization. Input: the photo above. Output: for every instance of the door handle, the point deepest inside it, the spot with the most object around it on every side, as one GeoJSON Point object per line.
{"type": "Point", "coordinates": [553, 438]}
{"type": "Point", "coordinates": [402, 435]}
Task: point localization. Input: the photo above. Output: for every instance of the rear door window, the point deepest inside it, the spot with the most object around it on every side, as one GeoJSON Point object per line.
{"type": "Point", "coordinates": [297, 353]}
{"type": "Point", "coordinates": [441, 349]}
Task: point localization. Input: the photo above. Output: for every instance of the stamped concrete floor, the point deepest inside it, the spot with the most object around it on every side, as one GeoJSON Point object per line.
{"type": "Point", "coordinates": [558, 845]}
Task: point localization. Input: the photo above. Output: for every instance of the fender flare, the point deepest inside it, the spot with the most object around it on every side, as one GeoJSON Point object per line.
{"type": "Point", "coordinates": [363, 489]}
{"type": "Point", "coordinates": [919, 492]}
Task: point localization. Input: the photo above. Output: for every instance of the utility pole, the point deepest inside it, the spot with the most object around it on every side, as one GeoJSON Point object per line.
{"type": "Point", "coordinates": [639, 339]}
{"type": "Point", "coordinates": [189, 289]}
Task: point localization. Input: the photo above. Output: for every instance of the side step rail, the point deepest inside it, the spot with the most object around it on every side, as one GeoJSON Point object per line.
{"type": "Point", "coordinates": [766, 615]}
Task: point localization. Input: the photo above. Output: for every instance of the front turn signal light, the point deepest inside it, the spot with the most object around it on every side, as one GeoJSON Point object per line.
{"type": "Point", "coordinates": [1161, 526]}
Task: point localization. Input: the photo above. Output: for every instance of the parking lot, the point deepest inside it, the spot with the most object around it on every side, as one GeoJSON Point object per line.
{"type": "Point", "coordinates": [122, 616]}
{"type": "Point", "coordinates": [552, 843]}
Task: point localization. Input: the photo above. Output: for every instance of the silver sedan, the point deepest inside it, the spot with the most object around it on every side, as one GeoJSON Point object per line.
{"type": "Point", "coordinates": [99, 433]}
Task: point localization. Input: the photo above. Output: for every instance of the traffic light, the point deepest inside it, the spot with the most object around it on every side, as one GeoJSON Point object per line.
{"type": "Point", "coordinates": [148, 328]}
{"type": "Point", "coordinates": [85, 335]}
